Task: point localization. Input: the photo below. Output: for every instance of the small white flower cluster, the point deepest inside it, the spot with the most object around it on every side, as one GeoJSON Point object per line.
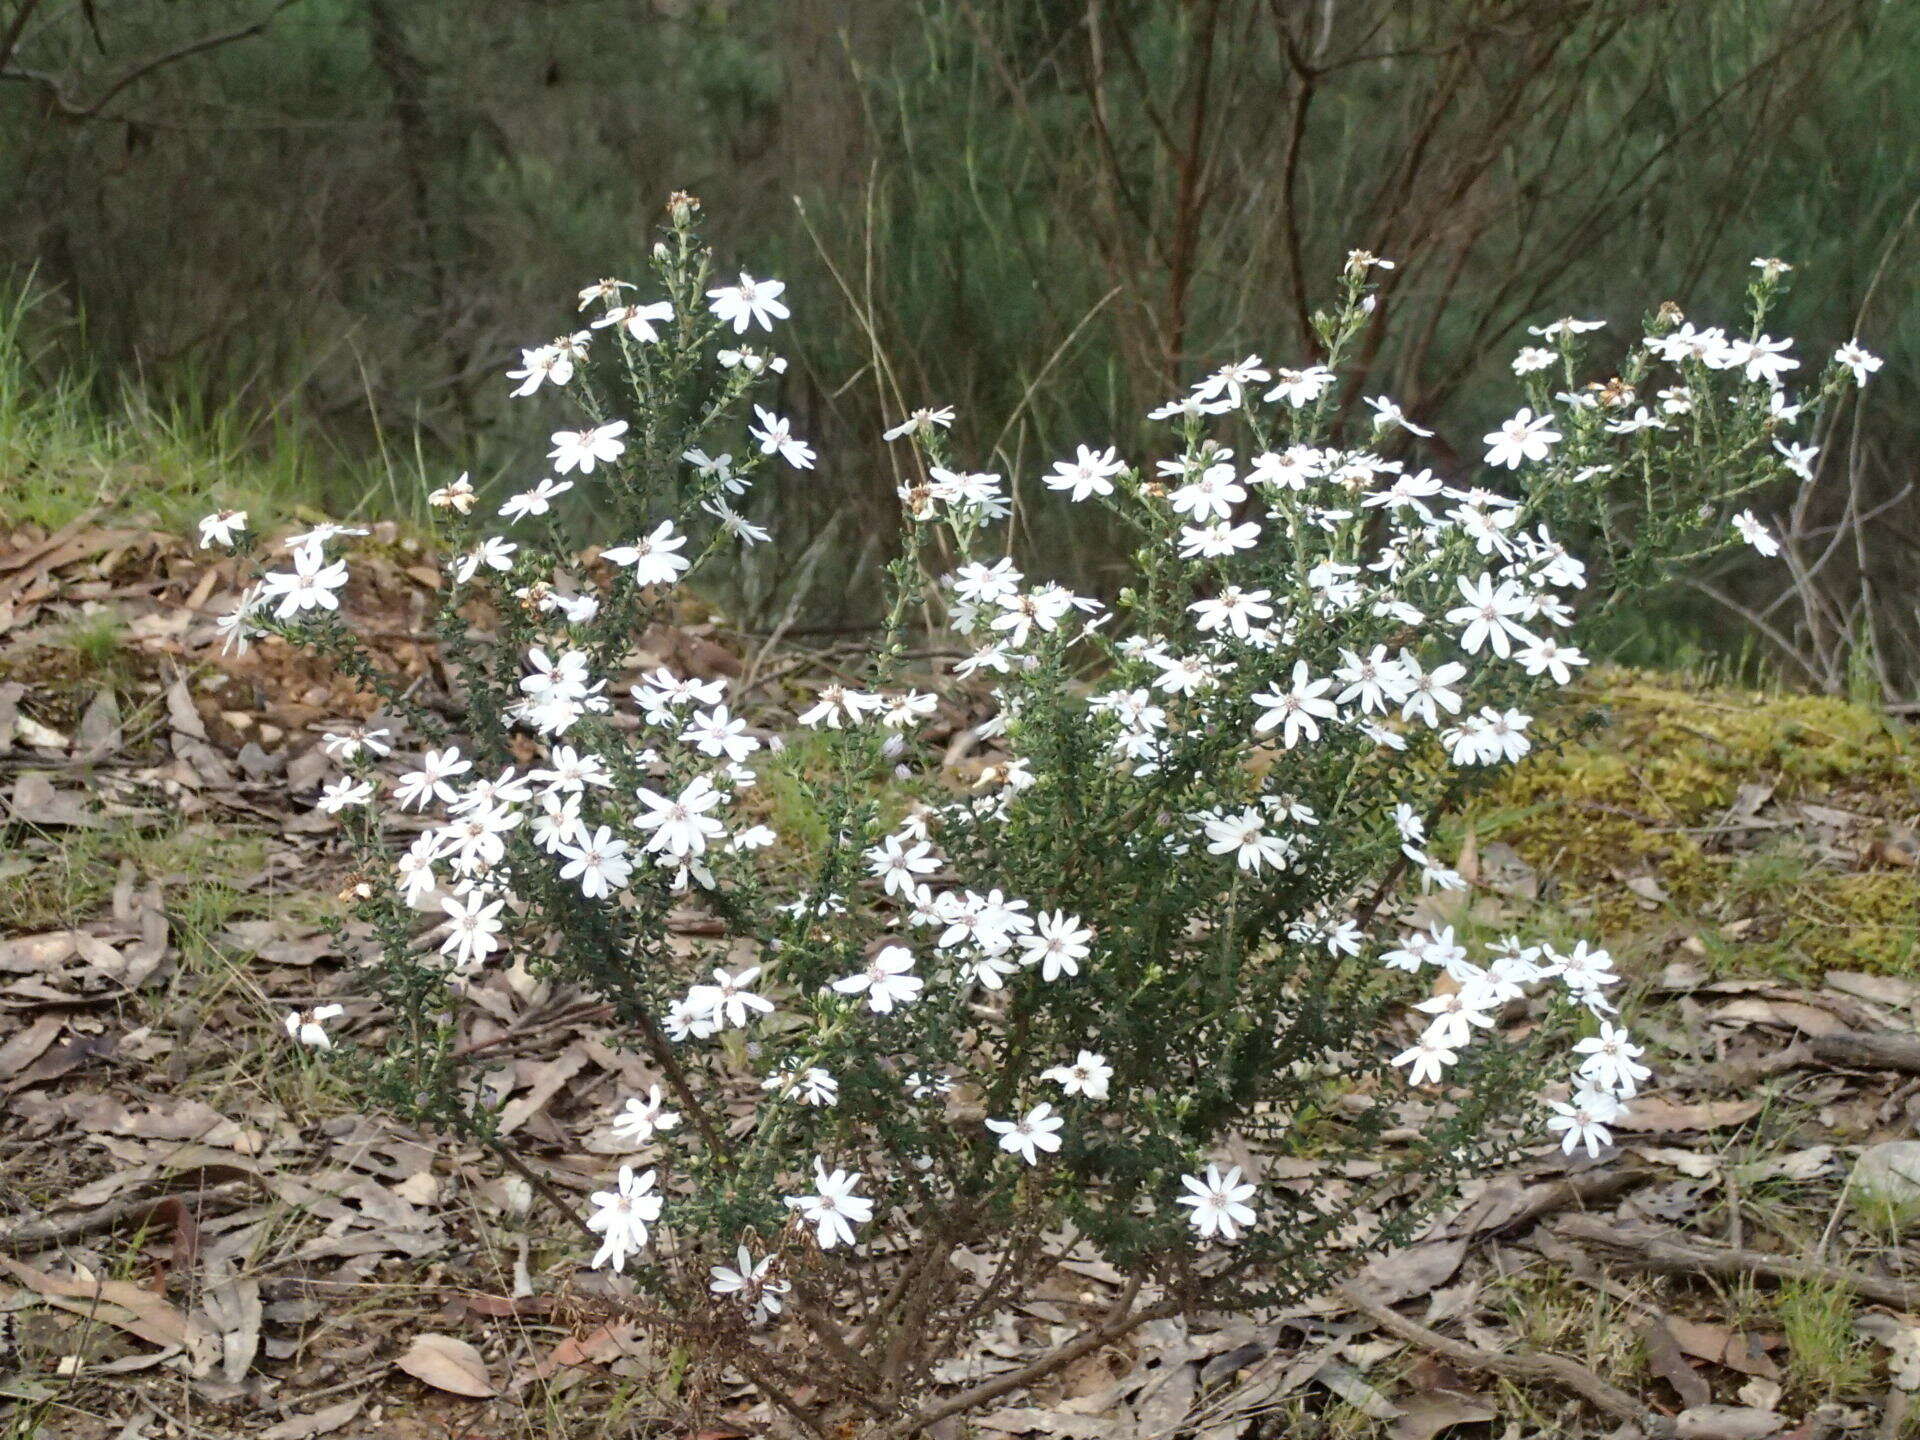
{"type": "Point", "coordinates": [314, 583]}
{"type": "Point", "coordinates": [1324, 643]}
{"type": "Point", "coordinates": [1607, 1076]}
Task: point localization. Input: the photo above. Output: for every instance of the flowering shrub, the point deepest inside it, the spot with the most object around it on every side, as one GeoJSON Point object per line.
{"type": "Point", "coordinates": [1149, 988]}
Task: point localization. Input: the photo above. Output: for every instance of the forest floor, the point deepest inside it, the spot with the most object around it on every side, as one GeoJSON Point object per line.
{"type": "Point", "coordinates": [201, 1236]}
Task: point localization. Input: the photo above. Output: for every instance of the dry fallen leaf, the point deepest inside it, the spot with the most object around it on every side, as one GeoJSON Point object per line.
{"type": "Point", "coordinates": [1901, 1335]}
{"type": "Point", "coordinates": [608, 1342]}
{"type": "Point", "coordinates": [1697, 1163]}
{"type": "Point", "coordinates": [1723, 1346]}
{"type": "Point", "coordinates": [1163, 1405]}
{"type": "Point", "coordinates": [171, 1119]}
{"type": "Point", "coordinates": [1350, 1386]}
{"type": "Point", "coordinates": [1427, 1415]}
{"type": "Point", "coordinates": [36, 954]}
{"type": "Point", "coordinates": [232, 1302]}
{"type": "Point", "coordinates": [1414, 1269]}
{"type": "Point", "coordinates": [420, 1188]}
{"type": "Point", "coordinates": [1663, 1353]}
{"type": "Point", "coordinates": [10, 696]}
{"type": "Point", "coordinates": [36, 802]}
{"type": "Point", "coordinates": [1880, 989]}
{"type": "Point", "coordinates": [29, 731]}
{"type": "Point", "coordinates": [546, 1081]}
{"type": "Point", "coordinates": [1788, 1014]}
{"type": "Point", "coordinates": [1726, 1422]}
{"type": "Point", "coordinates": [447, 1363]}
{"type": "Point", "coordinates": [1657, 1115]}
{"type": "Point", "coordinates": [320, 1422]}
{"type": "Point", "coordinates": [1904, 1366]}
{"type": "Point", "coordinates": [23, 1047]}
{"type": "Point", "coordinates": [1799, 1165]}
{"type": "Point", "coordinates": [100, 734]}
{"type": "Point", "coordinates": [1888, 1172]}
{"type": "Point", "coordinates": [1031, 1420]}
{"type": "Point", "coordinates": [182, 714]}
{"type": "Point", "coordinates": [121, 1304]}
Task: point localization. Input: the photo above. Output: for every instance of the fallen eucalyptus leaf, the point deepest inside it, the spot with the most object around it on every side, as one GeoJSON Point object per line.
{"type": "Point", "coordinates": [447, 1363]}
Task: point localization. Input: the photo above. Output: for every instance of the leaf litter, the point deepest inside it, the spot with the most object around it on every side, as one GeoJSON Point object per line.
{"type": "Point", "coordinates": [191, 1207]}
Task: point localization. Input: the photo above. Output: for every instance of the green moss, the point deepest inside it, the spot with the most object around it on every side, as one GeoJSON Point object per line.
{"type": "Point", "coordinates": [1867, 920]}
{"type": "Point", "coordinates": [1647, 782]}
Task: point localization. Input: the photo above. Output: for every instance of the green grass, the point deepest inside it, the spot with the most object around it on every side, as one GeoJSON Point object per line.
{"type": "Point", "coordinates": [98, 643]}
{"type": "Point", "coordinates": [73, 445]}
{"type": "Point", "coordinates": [1827, 1358]}
{"type": "Point", "coordinates": [71, 874]}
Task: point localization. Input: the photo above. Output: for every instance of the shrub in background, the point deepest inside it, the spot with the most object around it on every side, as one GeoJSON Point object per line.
{"type": "Point", "coordinates": [1148, 989]}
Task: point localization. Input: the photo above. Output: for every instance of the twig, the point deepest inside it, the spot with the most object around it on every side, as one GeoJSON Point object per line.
{"type": "Point", "coordinates": [44, 1233]}
{"type": "Point", "coordinates": [1519, 1365]}
{"type": "Point", "coordinates": [308, 1399]}
{"type": "Point", "coordinates": [10, 41]}
{"type": "Point", "coordinates": [1121, 1320]}
{"type": "Point", "coordinates": [1677, 1257]}
{"type": "Point", "coordinates": [76, 111]}
{"type": "Point", "coordinates": [1860, 1050]}
{"type": "Point", "coordinates": [1868, 1051]}
{"type": "Point", "coordinates": [171, 1421]}
{"type": "Point", "coordinates": [1573, 1192]}
{"type": "Point", "coordinates": [815, 1311]}
{"type": "Point", "coordinates": [585, 1011]}
{"type": "Point", "coordinates": [545, 1188]}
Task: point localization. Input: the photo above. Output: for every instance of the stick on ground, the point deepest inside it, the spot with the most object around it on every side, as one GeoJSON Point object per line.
{"type": "Point", "coordinates": [1678, 1257]}
{"type": "Point", "coordinates": [1522, 1365]}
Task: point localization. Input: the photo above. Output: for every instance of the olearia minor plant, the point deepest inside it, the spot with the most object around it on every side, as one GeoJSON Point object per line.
{"type": "Point", "coordinates": [1147, 988]}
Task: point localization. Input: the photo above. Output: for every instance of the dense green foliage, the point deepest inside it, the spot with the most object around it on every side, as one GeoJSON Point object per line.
{"type": "Point", "coordinates": [350, 217]}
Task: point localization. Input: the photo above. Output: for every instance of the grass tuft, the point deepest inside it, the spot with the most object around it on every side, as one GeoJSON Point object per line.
{"type": "Point", "coordinates": [74, 445]}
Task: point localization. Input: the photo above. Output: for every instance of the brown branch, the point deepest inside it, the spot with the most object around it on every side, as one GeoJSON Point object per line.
{"type": "Point", "coordinates": [44, 1234]}
{"type": "Point", "coordinates": [778, 1380]}
{"type": "Point", "coordinates": [1678, 1257]}
{"type": "Point", "coordinates": [761, 1369]}
{"type": "Point", "coordinates": [1572, 1192]}
{"type": "Point", "coordinates": [1114, 173]}
{"type": "Point", "coordinates": [1190, 200]}
{"type": "Point", "coordinates": [1868, 1051]}
{"type": "Point", "coordinates": [662, 1052]}
{"type": "Point", "coordinates": [870, 1327]}
{"type": "Point", "coordinates": [545, 1189]}
{"type": "Point", "coordinates": [1290, 200]}
{"type": "Point", "coordinates": [933, 1284]}
{"type": "Point", "coordinates": [75, 111]}
{"type": "Point", "coordinates": [10, 41]}
{"type": "Point", "coordinates": [1528, 1366]}
{"type": "Point", "coordinates": [580, 1012]}
{"type": "Point", "coordinates": [1121, 1320]}
{"type": "Point", "coordinates": [860, 1381]}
